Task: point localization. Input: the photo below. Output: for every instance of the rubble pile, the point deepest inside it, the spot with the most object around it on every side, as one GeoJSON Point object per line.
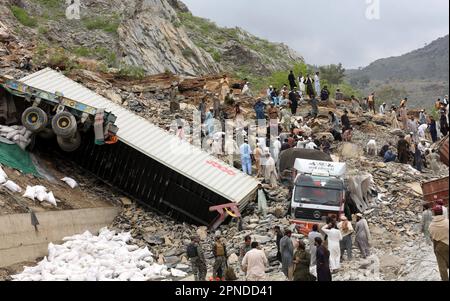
{"type": "Point", "coordinates": [167, 239]}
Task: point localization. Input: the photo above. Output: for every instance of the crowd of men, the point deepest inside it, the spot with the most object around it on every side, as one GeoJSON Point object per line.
{"type": "Point", "coordinates": [328, 244]}
{"type": "Point", "coordinates": [422, 130]}
{"type": "Point", "coordinates": [327, 247]}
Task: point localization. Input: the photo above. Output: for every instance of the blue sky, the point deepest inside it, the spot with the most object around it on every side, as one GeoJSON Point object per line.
{"type": "Point", "coordinates": [332, 31]}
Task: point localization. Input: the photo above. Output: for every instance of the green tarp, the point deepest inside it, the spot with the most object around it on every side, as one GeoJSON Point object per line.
{"type": "Point", "coordinates": [13, 156]}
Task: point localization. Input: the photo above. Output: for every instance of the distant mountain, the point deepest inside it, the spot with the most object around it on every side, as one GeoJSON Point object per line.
{"type": "Point", "coordinates": [422, 75]}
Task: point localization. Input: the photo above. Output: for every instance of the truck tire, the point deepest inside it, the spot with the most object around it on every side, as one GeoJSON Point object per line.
{"type": "Point", "coordinates": [34, 119]}
{"type": "Point", "coordinates": [69, 144]}
{"type": "Point", "coordinates": [64, 125]}
{"type": "Point", "coordinates": [46, 134]}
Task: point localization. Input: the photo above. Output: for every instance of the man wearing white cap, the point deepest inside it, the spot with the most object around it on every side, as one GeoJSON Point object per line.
{"type": "Point", "coordinates": [276, 149]}
{"type": "Point", "coordinates": [269, 93]}
{"type": "Point", "coordinates": [311, 144]}
{"type": "Point", "coordinates": [383, 109]}
{"type": "Point", "coordinates": [422, 117]}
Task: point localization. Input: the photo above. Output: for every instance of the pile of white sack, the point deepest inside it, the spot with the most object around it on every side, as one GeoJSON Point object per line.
{"type": "Point", "coordinates": [17, 134]}
{"type": "Point", "coordinates": [106, 257]}
{"type": "Point", "coordinates": [40, 193]}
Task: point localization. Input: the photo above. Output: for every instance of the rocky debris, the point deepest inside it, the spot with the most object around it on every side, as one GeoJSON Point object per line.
{"type": "Point", "coordinates": [168, 239]}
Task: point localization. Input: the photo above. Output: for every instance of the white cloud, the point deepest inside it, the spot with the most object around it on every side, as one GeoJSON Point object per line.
{"type": "Point", "coordinates": [331, 31]}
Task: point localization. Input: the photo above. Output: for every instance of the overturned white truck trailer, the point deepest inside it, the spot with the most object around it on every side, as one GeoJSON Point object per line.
{"type": "Point", "coordinates": [149, 164]}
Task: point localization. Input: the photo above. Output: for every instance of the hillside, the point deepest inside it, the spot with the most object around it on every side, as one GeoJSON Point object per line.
{"type": "Point", "coordinates": [422, 75]}
{"type": "Point", "coordinates": [141, 36]}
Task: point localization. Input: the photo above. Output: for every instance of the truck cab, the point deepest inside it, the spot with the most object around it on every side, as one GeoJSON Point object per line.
{"type": "Point", "coordinates": [318, 193]}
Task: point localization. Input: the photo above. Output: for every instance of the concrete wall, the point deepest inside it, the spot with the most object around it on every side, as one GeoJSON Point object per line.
{"type": "Point", "coordinates": [20, 242]}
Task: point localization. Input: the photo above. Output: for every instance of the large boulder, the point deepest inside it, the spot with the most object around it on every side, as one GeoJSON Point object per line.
{"type": "Point", "coordinates": [350, 151]}
{"type": "Point", "coordinates": [397, 132]}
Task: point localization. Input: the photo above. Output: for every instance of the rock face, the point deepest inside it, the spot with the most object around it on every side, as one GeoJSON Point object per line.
{"type": "Point", "coordinates": [150, 39]}
{"type": "Point", "coordinates": [155, 35]}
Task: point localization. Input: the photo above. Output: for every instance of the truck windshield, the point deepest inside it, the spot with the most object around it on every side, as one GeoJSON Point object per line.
{"type": "Point", "coordinates": [317, 196]}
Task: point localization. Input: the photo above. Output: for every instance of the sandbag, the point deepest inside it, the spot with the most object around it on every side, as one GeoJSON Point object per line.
{"type": "Point", "coordinates": [3, 173]}
{"type": "Point", "coordinates": [51, 199]}
{"type": "Point", "coordinates": [6, 129]}
{"type": "Point", "coordinates": [71, 182]}
{"type": "Point", "coordinates": [30, 193]}
{"type": "Point", "coordinates": [11, 186]}
{"type": "Point", "coordinates": [11, 134]}
{"type": "Point", "coordinates": [2, 179]}
{"type": "Point", "coordinates": [178, 273]}
{"type": "Point", "coordinates": [40, 188]}
{"type": "Point", "coordinates": [41, 195]}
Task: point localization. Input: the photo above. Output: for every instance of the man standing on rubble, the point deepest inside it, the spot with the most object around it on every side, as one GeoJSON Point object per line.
{"type": "Point", "coordinates": [413, 126]}
{"type": "Point", "coordinates": [293, 99]}
{"type": "Point", "coordinates": [278, 237]}
{"type": "Point", "coordinates": [255, 263]}
{"type": "Point", "coordinates": [314, 107]}
{"type": "Point", "coordinates": [371, 103]}
{"type": "Point", "coordinates": [202, 109]}
{"type": "Point", "coordinates": [216, 106]}
{"type": "Point", "coordinates": [220, 255]}
{"type": "Point", "coordinates": [404, 116]}
{"type": "Point", "coordinates": [259, 110]}
{"type": "Point", "coordinates": [444, 124]}
{"type": "Point", "coordinates": [287, 253]}
{"type": "Point", "coordinates": [422, 117]}
{"type": "Point", "coordinates": [383, 109]}
{"type": "Point", "coordinates": [345, 121]}
{"type": "Point", "coordinates": [317, 83]}
{"type": "Point", "coordinates": [433, 129]}
{"type": "Point", "coordinates": [197, 258]}
{"type": "Point", "coordinates": [439, 235]}
{"type": "Point", "coordinates": [427, 218]}
{"type": "Point", "coordinates": [363, 236]}
{"type": "Point", "coordinates": [346, 228]}
{"type": "Point", "coordinates": [322, 261]}
{"type": "Point", "coordinates": [246, 246]}
{"type": "Point", "coordinates": [261, 199]}
{"type": "Point", "coordinates": [174, 104]}
{"type": "Point", "coordinates": [270, 172]}
{"type": "Point", "coordinates": [246, 157]}
{"type": "Point", "coordinates": [209, 121]}
{"type": "Point", "coordinates": [403, 150]}
{"type": "Point", "coordinates": [291, 79]}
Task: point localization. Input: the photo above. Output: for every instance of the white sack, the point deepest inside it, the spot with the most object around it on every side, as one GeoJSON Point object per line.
{"type": "Point", "coordinates": [10, 185]}
{"type": "Point", "coordinates": [69, 181]}
{"type": "Point", "coordinates": [30, 193]}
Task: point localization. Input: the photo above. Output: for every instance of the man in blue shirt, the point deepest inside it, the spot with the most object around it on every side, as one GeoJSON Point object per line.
{"type": "Point", "coordinates": [246, 158]}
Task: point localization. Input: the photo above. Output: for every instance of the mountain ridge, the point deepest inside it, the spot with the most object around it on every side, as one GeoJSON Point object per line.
{"type": "Point", "coordinates": [421, 74]}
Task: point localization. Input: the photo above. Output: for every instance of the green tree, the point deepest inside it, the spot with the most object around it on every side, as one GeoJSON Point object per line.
{"type": "Point", "coordinates": [333, 74]}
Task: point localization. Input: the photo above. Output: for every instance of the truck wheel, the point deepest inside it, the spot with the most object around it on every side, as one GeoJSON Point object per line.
{"type": "Point", "coordinates": [69, 144]}
{"type": "Point", "coordinates": [34, 119]}
{"type": "Point", "coordinates": [47, 134]}
{"type": "Point", "coordinates": [64, 125]}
